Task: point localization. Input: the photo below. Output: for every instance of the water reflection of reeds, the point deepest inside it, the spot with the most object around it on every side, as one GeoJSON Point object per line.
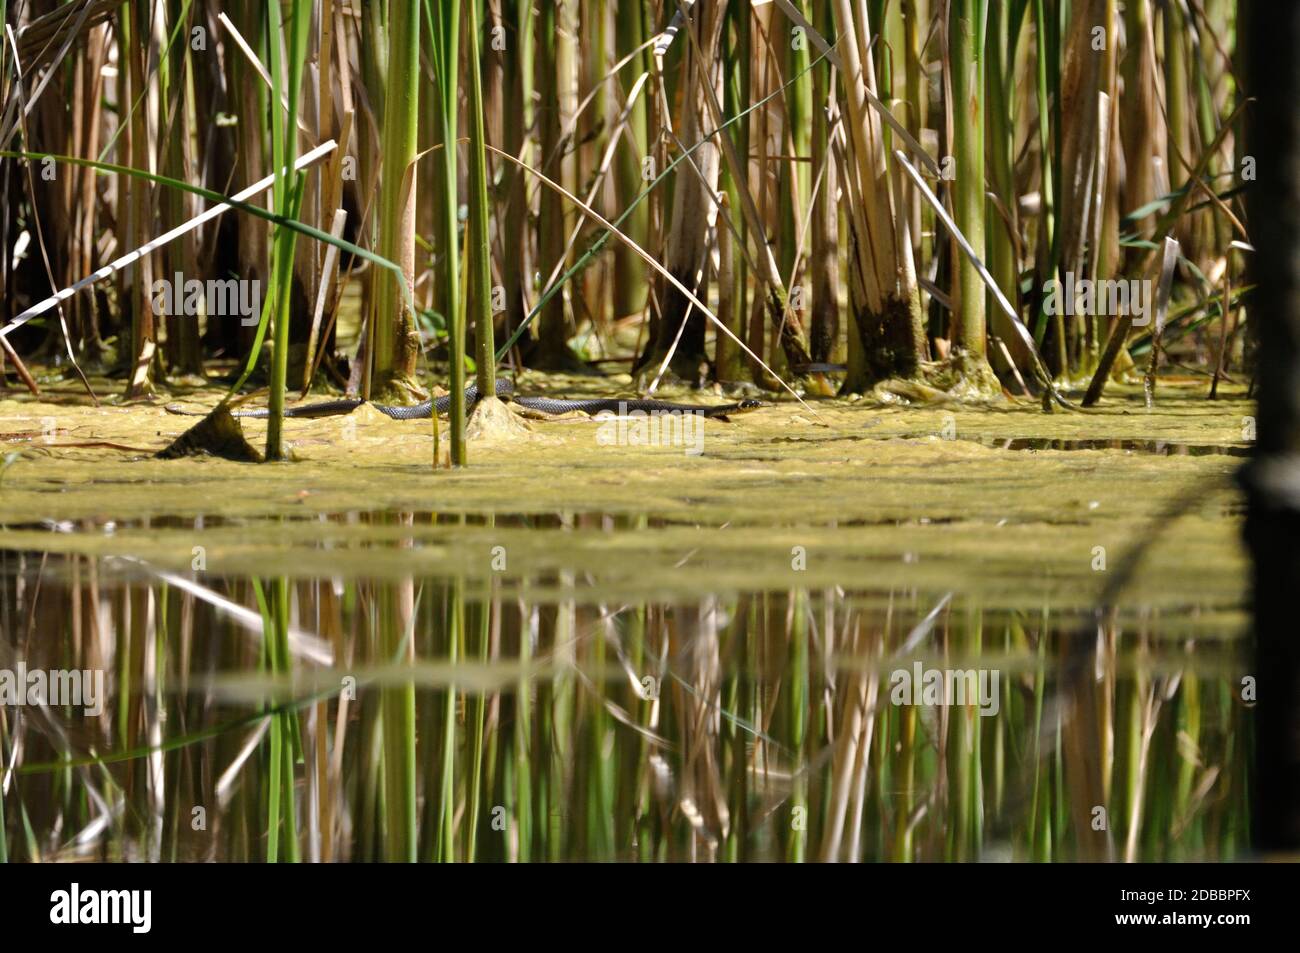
{"type": "Point", "coordinates": [451, 717]}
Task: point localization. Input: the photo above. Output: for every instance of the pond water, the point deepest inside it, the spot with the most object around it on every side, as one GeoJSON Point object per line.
{"type": "Point", "coordinates": [839, 632]}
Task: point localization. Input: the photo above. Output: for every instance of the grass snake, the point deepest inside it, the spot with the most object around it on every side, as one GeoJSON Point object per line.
{"type": "Point", "coordinates": [505, 390]}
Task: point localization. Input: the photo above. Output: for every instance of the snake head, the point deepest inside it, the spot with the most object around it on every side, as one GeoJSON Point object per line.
{"type": "Point", "coordinates": [739, 407]}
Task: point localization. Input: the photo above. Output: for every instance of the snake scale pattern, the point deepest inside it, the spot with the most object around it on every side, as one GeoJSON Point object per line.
{"type": "Point", "coordinates": [505, 390]}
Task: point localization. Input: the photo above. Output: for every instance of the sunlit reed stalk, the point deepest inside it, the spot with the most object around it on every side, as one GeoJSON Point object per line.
{"type": "Point", "coordinates": [136, 215]}
{"type": "Point", "coordinates": [629, 276]}
{"type": "Point", "coordinates": [552, 64]}
{"type": "Point", "coordinates": [823, 263]}
{"type": "Point", "coordinates": [176, 81]}
{"type": "Point", "coordinates": [393, 338]}
{"type": "Point", "coordinates": [1002, 210]}
{"type": "Point", "coordinates": [288, 197]}
{"type": "Point", "coordinates": [443, 18]}
{"type": "Point", "coordinates": [479, 213]}
{"type": "Point", "coordinates": [1045, 28]}
{"type": "Point", "coordinates": [885, 337]}
{"type": "Point", "coordinates": [966, 35]}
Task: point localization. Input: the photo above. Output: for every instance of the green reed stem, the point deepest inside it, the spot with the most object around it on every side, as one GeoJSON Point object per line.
{"type": "Point", "coordinates": [443, 18]}
{"type": "Point", "coordinates": [480, 247]}
{"type": "Point", "coordinates": [966, 45]}
{"type": "Point", "coordinates": [393, 339]}
{"type": "Point", "coordinates": [288, 196]}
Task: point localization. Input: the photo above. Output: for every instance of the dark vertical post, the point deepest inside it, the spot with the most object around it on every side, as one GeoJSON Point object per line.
{"type": "Point", "coordinates": [1272, 478]}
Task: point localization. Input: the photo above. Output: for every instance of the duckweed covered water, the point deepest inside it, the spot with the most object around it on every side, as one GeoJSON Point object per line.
{"type": "Point", "coordinates": [632, 652]}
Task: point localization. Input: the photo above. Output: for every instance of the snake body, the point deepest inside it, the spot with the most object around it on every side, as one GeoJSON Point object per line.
{"type": "Point", "coordinates": [505, 390]}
